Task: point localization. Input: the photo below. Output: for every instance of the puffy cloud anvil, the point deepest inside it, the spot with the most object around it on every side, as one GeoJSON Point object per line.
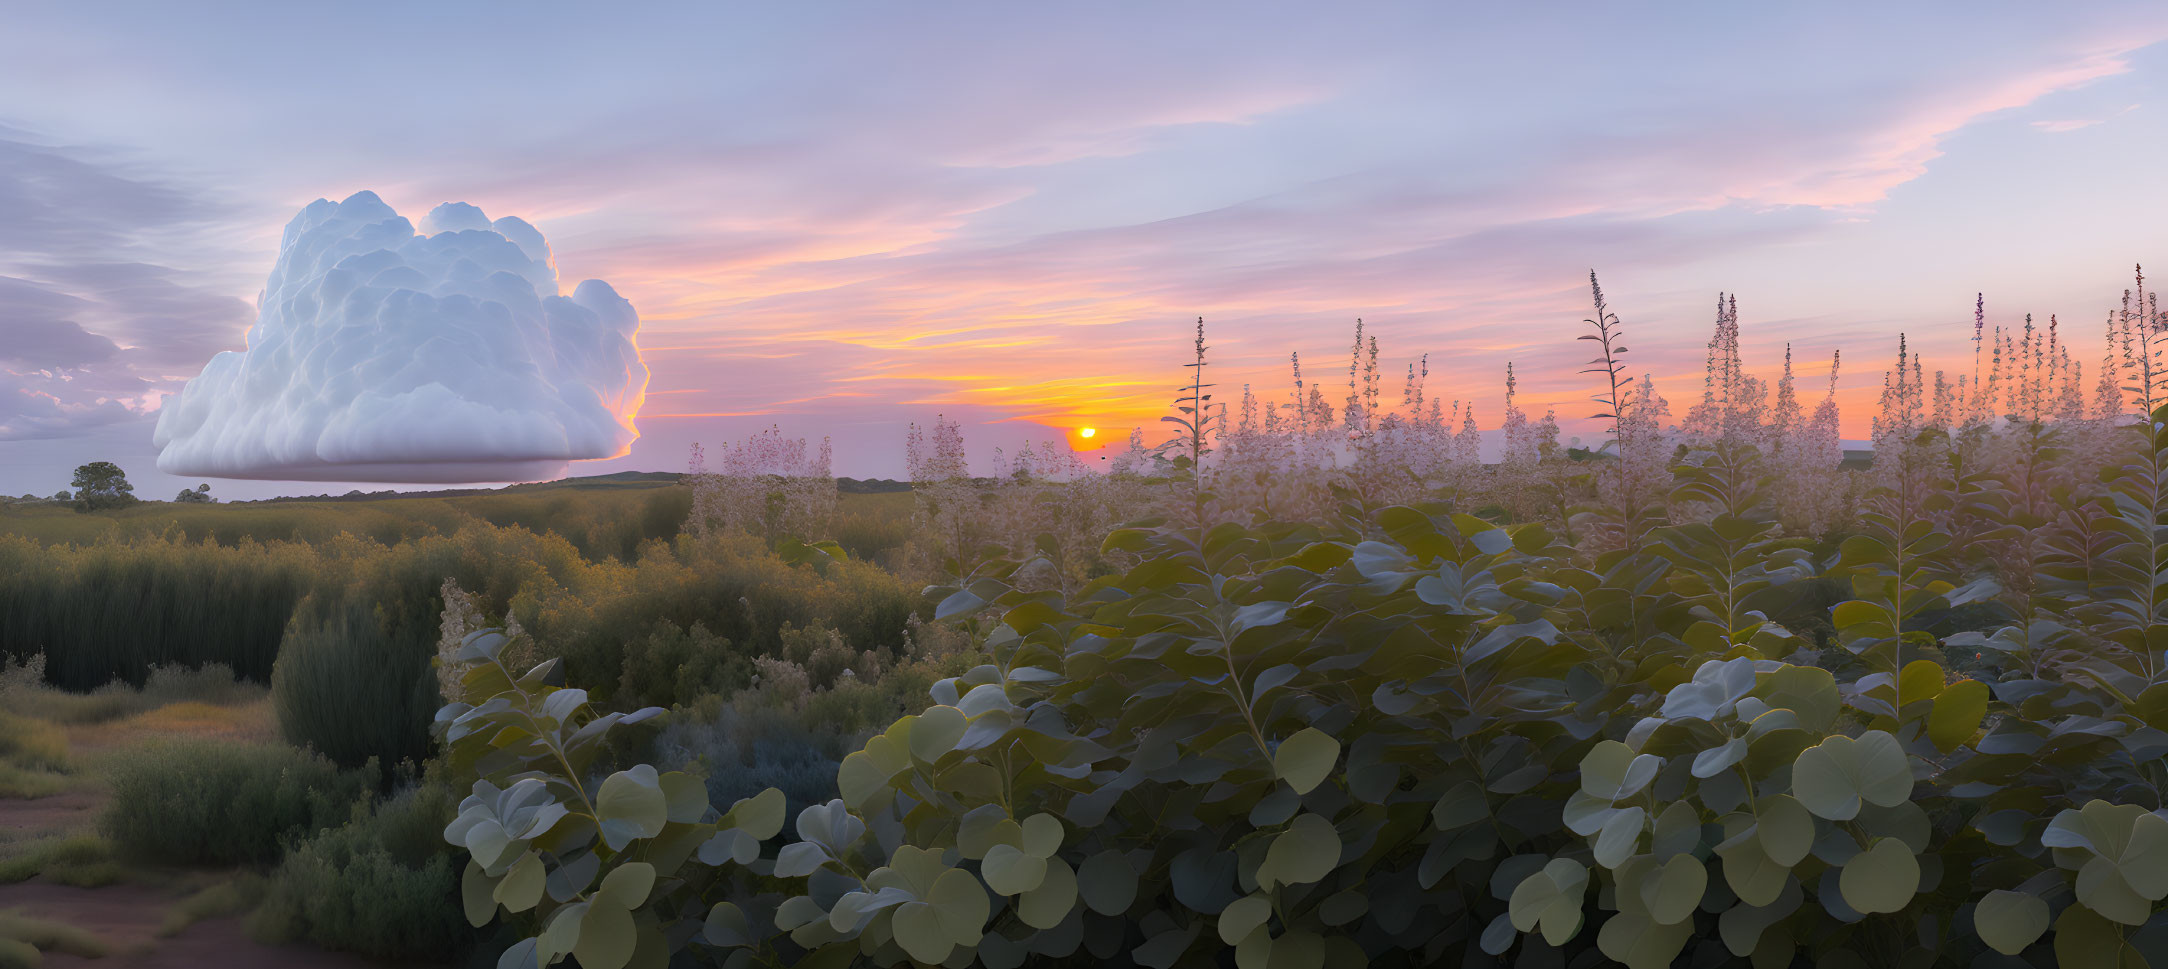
{"type": "Point", "coordinates": [383, 354]}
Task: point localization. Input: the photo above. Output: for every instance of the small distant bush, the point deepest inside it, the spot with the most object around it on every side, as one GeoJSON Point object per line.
{"type": "Point", "coordinates": [384, 884]}
{"type": "Point", "coordinates": [205, 803]}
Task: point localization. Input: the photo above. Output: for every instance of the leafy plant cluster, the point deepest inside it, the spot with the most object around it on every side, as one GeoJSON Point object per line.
{"type": "Point", "coordinates": [1405, 734]}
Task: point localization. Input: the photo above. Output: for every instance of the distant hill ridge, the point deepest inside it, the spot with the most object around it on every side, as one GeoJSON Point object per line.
{"type": "Point", "coordinates": [619, 479]}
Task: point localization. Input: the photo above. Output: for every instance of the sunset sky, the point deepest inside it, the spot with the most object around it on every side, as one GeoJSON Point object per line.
{"type": "Point", "coordinates": [842, 218]}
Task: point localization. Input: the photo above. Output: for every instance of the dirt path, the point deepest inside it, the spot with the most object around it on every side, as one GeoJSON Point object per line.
{"type": "Point", "coordinates": [127, 916]}
{"type": "Point", "coordinates": [67, 811]}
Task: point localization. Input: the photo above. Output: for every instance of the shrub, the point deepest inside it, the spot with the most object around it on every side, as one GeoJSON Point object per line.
{"type": "Point", "coordinates": [383, 884]}
{"type": "Point", "coordinates": [750, 745]}
{"type": "Point", "coordinates": [205, 803]}
{"type": "Point", "coordinates": [674, 665]}
{"type": "Point", "coordinates": [351, 689]}
{"type": "Point", "coordinates": [112, 610]}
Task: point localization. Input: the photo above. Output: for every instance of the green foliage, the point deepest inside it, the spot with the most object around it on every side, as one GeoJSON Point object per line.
{"type": "Point", "coordinates": [353, 681]}
{"type": "Point", "coordinates": [1407, 737]}
{"type": "Point", "coordinates": [112, 611]}
{"type": "Point", "coordinates": [23, 939]}
{"type": "Point", "coordinates": [589, 865]}
{"type": "Point", "coordinates": [222, 803]}
{"type": "Point", "coordinates": [80, 860]}
{"type": "Point", "coordinates": [383, 884]}
{"type": "Point", "coordinates": [100, 485]}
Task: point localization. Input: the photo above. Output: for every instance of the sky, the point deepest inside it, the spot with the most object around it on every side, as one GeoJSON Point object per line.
{"type": "Point", "coordinates": [840, 219]}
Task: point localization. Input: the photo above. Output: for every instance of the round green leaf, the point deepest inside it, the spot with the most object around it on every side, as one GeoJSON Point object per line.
{"type": "Point", "coordinates": [918, 929]}
{"type": "Point", "coordinates": [1306, 852]}
{"type": "Point", "coordinates": [1809, 691]}
{"type": "Point", "coordinates": [1584, 813]}
{"type": "Point", "coordinates": [859, 779]}
{"type": "Point", "coordinates": [1047, 905]}
{"type": "Point", "coordinates": [2084, 938]}
{"type": "Point", "coordinates": [1784, 827]}
{"type": "Point", "coordinates": [521, 888]}
{"type": "Point", "coordinates": [1676, 890]}
{"type": "Point", "coordinates": [1107, 882]}
{"type": "Point", "coordinates": [477, 893]}
{"type": "Point", "coordinates": [936, 732]}
{"type": "Point", "coordinates": [727, 925]}
{"type": "Point", "coordinates": [2144, 861]}
{"type": "Point", "coordinates": [1305, 759]}
{"type": "Point", "coordinates": [1957, 713]}
{"type": "Point", "coordinates": [606, 938]}
{"type": "Point", "coordinates": [1920, 679]}
{"type": "Point", "coordinates": [2104, 890]}
{"type": "Point", "coordinates": [1620, 836]}
{"type": "Point", "coordinates": [962, 905]}
{"type": "Point", "coordinates": [1242, 916]}
{"type": "Point", "coordinates": [1832, 778]}
{"type": "Point", "coordinates": [2010, 921]}
{"type": "Point", "coordinates": [1719, 759]}
{"type": "Point", "coordinates": [1042, 834]}
{"type": "Point", "coordinates": [1882, 878]}
{"type": "Point", "coordinates": [1009, 871]}
{"type": "Point", "coordinates": [1753, 875]}
{"type": "Point", "coordinates": [627, 885]}
{"type": "Point", "coordinates": [1640, 942]}
{"type": "Point", "coordinates": [760, 815]}
{"type": "Point", "coordinates": [1610, 771]}
{"type": "Point", "coordinates": [685, 797]}
{"type": "Point", "coordinates": [631, 805]}
{"type": "Point", "coordinates": [563, 932]}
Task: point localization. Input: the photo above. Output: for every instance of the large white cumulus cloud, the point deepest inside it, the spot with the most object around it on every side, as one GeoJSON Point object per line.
{"type": "Point", "coordinates": [380, 354]}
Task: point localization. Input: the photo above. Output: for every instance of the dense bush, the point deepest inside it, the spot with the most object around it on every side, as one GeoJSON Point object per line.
{"type": "Point", "coordinates": [351, 689]}
{"type": "Point", "coordinates": [111, 611]}
{"type": "Point", "coordinates": [192, 802]}
{"type": "Point", "coordinates": [382, 884]}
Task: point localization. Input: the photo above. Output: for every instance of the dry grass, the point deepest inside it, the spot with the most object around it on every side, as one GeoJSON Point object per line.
{"type": "Point", "coordinates": [234, 896]}
{"type": "Point", "coordinates": [34, 758]}
{"type": "Point", "coordinates": [79, 860]}
{"type": "Point", "coordinates": [45, 935]}
{"type": "Point", "coordinates": [248, 721]}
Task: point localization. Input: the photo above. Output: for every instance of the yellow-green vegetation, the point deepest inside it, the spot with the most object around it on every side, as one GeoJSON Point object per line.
{"type": "Point", "coordinates": [236, 895]}
{"type": "Point", "coordinates": [24, 940]}
{"type": "Point", "coordinates": [378, 884]}
{"type": "Point", "coordinates": [33, 757]}
{"type": "Point", "coordinates": [78, 860]}
{"type": "Point", "coordinates": [199, 802]}
{"type": "Point", "coordinates": [603, 519]}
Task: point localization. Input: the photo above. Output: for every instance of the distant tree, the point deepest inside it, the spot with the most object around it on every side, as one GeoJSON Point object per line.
{"type": "Point", "coordinates": [62, 496]}
{"type": "Point", "coordinates": [100, 485]}
{"type": "Point", "coordinates": [201, 493]}
{"type": "Point", "coordinates": [30, 497]}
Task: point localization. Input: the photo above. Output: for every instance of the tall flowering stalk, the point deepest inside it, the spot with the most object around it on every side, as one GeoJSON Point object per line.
{"type": "Point", "coordinates": [947, 502]}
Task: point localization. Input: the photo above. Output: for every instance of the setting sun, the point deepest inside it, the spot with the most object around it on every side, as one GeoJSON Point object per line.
{"type": "Point", "coordinates": [1087, 432]}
